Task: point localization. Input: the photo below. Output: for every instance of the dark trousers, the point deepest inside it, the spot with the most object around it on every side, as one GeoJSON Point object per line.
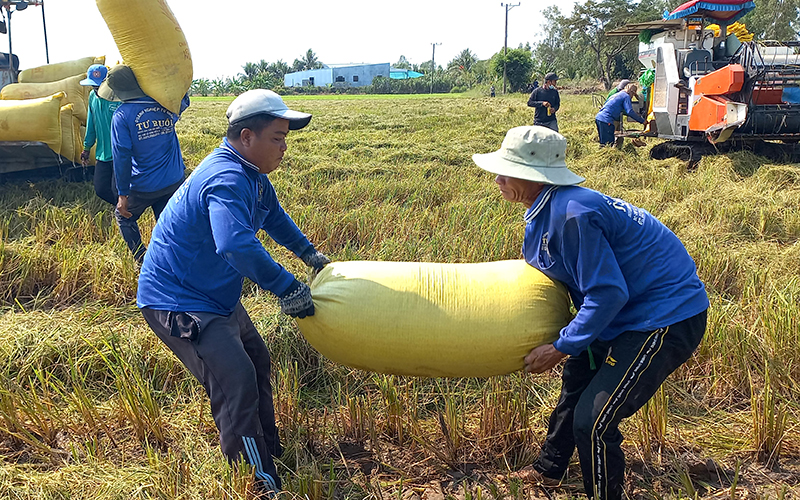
{"type": "Point", "coordinates": [552, 124]}
{"type": "Point", "coordinates": [629, 371]}
{"type": "Point", "coordinates": [605, 131]}
{"type": "Point", "coordinates": [104, 184]}
{"type": "Point", "coordinates": [138, 202]}
{"type": "Point", "coordinates": [232, 362]}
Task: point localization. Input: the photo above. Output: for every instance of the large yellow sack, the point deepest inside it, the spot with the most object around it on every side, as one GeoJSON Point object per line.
{"type": "Point", "coordinates": [71, 86]}
{"type": "Point", "coordinates": [71, 138]}
{"type": "Point", "coordinates": [59, 71]}
{"type": "Point", "coordinates": [32, 120]}
{"type": "Point", "coordinates": [434, 320]}
{"type": "Point", "coordinates": [151, 42]}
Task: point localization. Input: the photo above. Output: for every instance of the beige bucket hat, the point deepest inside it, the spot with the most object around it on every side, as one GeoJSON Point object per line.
{"type": "Point", "coordinates": [533, 153]}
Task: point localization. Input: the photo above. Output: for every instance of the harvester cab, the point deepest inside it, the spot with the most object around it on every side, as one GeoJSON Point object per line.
{"type": "Point", "coordinates": [706, 82]}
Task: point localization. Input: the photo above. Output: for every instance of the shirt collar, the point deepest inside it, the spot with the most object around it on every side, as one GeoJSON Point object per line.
{"type": "Point", "coordinates": [227, 147]}
{"type": "Point", "coordinates": [540, 203]}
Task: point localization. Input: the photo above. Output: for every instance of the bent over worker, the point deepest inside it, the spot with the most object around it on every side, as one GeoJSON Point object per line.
{"type": "Point", "coordinates": [641, 306]}
{"type": "Point", "coordinates": [148, 164]}
{"type": "Point", "coordinates": [611, 112]}
{"type": "Point", "coordinates": [203, 246]}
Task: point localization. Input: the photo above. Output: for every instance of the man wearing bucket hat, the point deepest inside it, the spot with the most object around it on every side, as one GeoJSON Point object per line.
{"type": "Point", "coordinates": [546, 101]}
{"type": "Point", "coordinates": [98, 131]}
{"type": "Point", "coordinates": [641, 306]}
{"type": "Point", "coordinates": [147, 156]}
{"type": "Point", "coordinates": [202, 247]}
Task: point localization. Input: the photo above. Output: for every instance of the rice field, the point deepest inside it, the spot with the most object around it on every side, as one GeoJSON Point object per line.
{"type": "Point", "coordinates": [92, 406]}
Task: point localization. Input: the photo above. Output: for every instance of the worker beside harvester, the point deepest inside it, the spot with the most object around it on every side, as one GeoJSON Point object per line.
{"type": "Point", "coordinates": [148, 164]}
{"type": "Point", "coordinates": [641, 306]}
{"type": "Point", "coordinates": [98, 130]}
{"type": "Point", "coordinates": [612, 111]}
{"type": "Point", "coordinates": [202, 248]}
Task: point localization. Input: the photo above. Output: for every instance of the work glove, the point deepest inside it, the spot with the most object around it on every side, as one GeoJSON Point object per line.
{"type": "Point", "coordinates": [296, 301]}
{"type": "Point", "coordinates": [84, 158]}
{"type": "Point", "coordinates": [314, 258]}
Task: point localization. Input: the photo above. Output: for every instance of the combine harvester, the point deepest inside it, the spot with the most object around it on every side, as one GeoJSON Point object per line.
{"type": "Point", "coordinates": [709, 90]}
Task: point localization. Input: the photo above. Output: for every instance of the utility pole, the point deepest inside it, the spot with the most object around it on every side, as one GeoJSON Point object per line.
{"type": "Point", "coordinates": [433, 63]}
{"type": "Point", "coordinates": [505, 42]}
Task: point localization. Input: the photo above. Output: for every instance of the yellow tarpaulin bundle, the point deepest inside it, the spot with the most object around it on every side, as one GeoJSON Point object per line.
{"type": "Point", "coordinates": [32, 120]}
{"type": "Point", "coordinates": [71, 86]}
{"type": "Point", "coordinates": [151, 42]}
{"type": "Point", "coordinates": [434, 320]}
{"type": "Point", "coordinates": [59, 71]}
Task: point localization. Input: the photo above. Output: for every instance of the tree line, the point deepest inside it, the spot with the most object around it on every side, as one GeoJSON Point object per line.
{"type": "Point", "coordinates": [575, 45]}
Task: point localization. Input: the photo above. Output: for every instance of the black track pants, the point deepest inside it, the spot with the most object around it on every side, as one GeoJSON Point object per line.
{"type": "Point", "coordinates": [629, 371]}
{"type": "Point", "coordinates": [232, 362]}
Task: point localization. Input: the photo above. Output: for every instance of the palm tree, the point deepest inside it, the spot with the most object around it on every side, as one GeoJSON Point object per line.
{"type": "Point", "coordinates": [310, 60]}
{"type": "Point", "coordinates": [278, 69]}
{"type": "Point", "coordinates": [463, 61]}
{"type": "Point", "coordinates": [250, 70]}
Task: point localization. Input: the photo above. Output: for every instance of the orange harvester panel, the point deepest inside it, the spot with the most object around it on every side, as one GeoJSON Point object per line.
{"type": "Point", "coordinates": [706, 112]}
{"type": "Point", "coordinates": [722, 81]}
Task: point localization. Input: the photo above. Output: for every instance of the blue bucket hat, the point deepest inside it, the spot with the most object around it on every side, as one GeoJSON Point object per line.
{"type": "Point", "coordinates": [95, 75]}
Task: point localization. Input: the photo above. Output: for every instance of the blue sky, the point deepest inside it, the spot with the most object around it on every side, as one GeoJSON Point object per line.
{"type": "Point", "coordinates": [224, 35]}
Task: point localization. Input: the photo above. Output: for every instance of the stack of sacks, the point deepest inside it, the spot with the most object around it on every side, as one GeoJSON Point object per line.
{"type": "Point", "coordinates": [43, 81]}
{"type": "Point", "coordinates": [32, 120]}
{"type": "Point", "coordinates": [151, 42]}
{"type": "Point", "coordinates": [434, 320]}
{"type": "Point", "coordinates": [75, 93]}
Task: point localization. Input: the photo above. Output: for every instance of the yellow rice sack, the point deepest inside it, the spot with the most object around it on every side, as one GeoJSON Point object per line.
{"type": "Point", "coordinates": [151, 42]}
{"type": "Point", "coordinates": [434, 320]}
{"type": "Point", "coordinates": [71, 86]}
{"type": "Point", "coordinates": [32, 120]}
{"type": "Point", "coordinates": [67, 133]}
{"type": "Point", "coordinates": [59, 71]}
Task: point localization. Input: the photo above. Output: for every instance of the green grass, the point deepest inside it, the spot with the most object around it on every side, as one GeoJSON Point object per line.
{"type": "Point", "coordinates": [93, 406]}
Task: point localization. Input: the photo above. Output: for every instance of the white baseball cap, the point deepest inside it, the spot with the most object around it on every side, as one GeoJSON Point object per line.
{"type": "Point", "coordinates": [260, 102]}
{"type": "Point", "coordinates": [532, 153]}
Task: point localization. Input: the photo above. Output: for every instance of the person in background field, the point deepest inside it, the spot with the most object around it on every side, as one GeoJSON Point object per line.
{"type": "Point", "coordinates": [641, 306]}
{"type": "Point", "coordinates": [203, 246]}
{"type": "Point", "coordinates": [546, 101]}
{"type": "Point", "coordinates": [612, 111]}
{"type": "Point", "coordinates": [98, 130]}
{"type": "Point", "coordinates": [147, 156]}
{"type": "Point", "coordinates": [491, 91]}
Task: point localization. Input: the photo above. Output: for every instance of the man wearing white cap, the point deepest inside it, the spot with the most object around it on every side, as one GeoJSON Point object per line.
{"type": "Point", "coordinates": [202, 247]}
{"type": "Point", "coordinates": [641, 306]}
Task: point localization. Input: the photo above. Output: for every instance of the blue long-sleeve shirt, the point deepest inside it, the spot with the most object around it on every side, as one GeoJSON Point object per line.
{"type": "Point", "coordinates": [624, 269]}
{"type": "Point", "coordinates": [614, 107]}
{"type": "Point", "coordinates": [205, 243]}
{"type": "Point", "coordinates": [147, 155]}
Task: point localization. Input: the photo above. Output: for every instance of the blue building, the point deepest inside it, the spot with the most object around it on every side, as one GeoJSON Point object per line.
{"type": "Point", "coordinates": [357, 75]}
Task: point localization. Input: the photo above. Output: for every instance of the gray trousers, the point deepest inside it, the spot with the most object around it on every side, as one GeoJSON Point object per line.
{"type": "Point", "coordinates": [231, 360]}
{"type": "Point", "coordinates": [137, 204]}
{"type": "Point", "coordinates": [552, 124]}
